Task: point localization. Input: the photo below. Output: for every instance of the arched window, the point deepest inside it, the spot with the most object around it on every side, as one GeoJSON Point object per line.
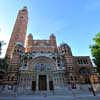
{"type": "Point", "coordinates": [71, 78]}
{"type": "Point", "coordinates": [12, 79]}
{"type": "Point", "coordinates": [8, 78]}
{"type": "Point", "coordinates": [75, 78]}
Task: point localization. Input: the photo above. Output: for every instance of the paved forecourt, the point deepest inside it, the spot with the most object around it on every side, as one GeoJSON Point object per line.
{"type": "Point", "coordinates": [51, 98]}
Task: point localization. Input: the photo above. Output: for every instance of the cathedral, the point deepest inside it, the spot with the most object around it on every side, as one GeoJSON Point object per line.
{"type": "Point", "coordinates": [42, 65]}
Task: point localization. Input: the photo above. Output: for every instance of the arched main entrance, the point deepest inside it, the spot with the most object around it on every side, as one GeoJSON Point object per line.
{"type": "Point", "coordinates": [43, 73]}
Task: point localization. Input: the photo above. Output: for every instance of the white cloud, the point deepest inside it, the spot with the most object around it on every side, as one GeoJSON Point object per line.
{"type": "Point", "coordinates": [3, 37]}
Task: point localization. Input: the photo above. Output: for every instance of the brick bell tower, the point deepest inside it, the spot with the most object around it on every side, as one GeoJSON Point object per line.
{"type": "Point", "coordinates": [19, 31]}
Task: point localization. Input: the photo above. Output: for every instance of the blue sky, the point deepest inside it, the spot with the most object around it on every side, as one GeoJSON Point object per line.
{"type": "Point", "coordinates": [75, 22]}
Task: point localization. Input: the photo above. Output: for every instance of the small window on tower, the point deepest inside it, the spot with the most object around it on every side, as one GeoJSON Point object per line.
{"type": "Point", "coordinates": [17, 36]}
{"type": "Point", "coordinates": [21, 17]}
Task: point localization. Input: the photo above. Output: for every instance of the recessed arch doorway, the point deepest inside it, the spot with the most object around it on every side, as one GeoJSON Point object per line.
{"type": "Point", "coordinates": [43, 73]}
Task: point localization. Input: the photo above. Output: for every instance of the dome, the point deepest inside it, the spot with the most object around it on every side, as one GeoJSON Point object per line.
{"type": "Point", "coordinates": [30, 36]}
{"type": "Point", "coordinates": [65, 48]}
{"type": "Point", "coordinates": [52, 35]}
{"type": "Point", "coordinates": [65, 45]}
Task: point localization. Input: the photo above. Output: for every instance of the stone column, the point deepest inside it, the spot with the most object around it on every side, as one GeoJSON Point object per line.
{"type": "Point", "coordinates": [47, 83]}
{"type": "Point", "coordinates": [37, 81]}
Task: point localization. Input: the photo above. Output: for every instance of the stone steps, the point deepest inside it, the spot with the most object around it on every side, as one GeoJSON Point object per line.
{"type": "Point", "coordinates": [83, 90]}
